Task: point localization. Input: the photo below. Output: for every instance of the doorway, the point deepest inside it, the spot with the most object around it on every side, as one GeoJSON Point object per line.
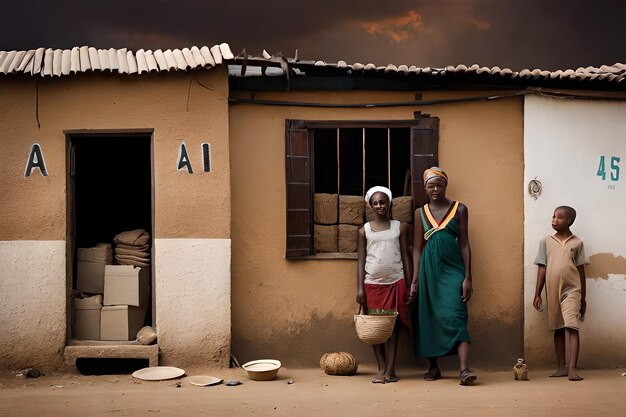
{"type": "Point", "coordinates": [110, 191]}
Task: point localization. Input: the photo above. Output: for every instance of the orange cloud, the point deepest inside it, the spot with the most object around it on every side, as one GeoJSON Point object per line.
{"type": "Point", "coordinates": [401, 28]}
{"type": "Point", "coordinates": [479, 24]}
{"type": "Point", "coordinates": [398, 28]}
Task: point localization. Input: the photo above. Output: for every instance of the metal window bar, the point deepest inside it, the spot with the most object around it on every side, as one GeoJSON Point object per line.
{"type": "Point", "coordinates": [338, 176]}
{"type": "Point", "coordinates": [389, 158]}
{"type": "Point", "coordinates": [363, 163]}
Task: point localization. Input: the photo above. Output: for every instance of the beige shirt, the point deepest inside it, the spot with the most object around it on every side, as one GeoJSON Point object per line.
{"type": "Point", "coordinates": [563, 287]}
{"type": "Point", "coordinates": [383, 263]}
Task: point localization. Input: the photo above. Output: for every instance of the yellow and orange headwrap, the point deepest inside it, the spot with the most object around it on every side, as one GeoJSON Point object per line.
{"type": "Point", "coordinates": [434, 172]}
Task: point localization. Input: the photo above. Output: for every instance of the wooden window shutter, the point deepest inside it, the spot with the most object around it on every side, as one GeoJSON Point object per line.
{"type": "Point", "coordinates": [424, 154]}
{"type": "Point", "coordinates": [299, 183]}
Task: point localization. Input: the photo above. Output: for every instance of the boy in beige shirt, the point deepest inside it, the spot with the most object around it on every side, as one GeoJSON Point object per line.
{"type": "Point", "coordinates": [561, 260]}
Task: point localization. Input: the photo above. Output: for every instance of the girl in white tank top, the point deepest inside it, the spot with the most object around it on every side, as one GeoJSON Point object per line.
{"type": "Point", "coordinates": [382, 273]}
{"type": "Point", "coordinates": [383, 263]}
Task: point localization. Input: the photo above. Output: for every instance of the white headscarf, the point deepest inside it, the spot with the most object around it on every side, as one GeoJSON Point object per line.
{"type": "Point", "coordinates": [374, 190]}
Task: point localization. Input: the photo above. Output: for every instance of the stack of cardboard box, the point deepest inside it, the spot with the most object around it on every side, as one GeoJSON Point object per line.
{"type": "Point", "coordinates": [90, 267]}
{"type": "Point", "coordinates": [87, 316]}
{"type": "Point", "coordinates": [126, 293]}
{"type": "Point", "coordinates": [110, 301]}
{"type": "Point", "coordinates": [87, 299]}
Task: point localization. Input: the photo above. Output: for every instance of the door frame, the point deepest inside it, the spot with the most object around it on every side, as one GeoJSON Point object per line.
{"type": "Point", "coordinates": [70, 221]}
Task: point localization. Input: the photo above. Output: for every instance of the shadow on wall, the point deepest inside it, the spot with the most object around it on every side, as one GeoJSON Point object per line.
{"type": "Point", "coordinates": [303, 344]}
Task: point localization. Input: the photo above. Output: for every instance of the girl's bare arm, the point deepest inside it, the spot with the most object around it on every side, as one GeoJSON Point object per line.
{"type": "Point", "coordinates": [360, 271]}
{"type": "Point", "coordinates": [404, 252]}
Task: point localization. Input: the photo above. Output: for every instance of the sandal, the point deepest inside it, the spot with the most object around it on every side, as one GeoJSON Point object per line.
{"type": "Point", "coordinates": [379, 380]}
{"type": "Point", "coordinates": [432, 374]}
{"type": "Point", "coordinates": [393, 379]}
{"type": "Point", "coordinates": [467, 377]}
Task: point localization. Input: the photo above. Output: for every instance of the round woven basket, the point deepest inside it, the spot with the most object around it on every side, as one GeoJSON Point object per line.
{"type": "Point", "coordinates": [339, 363]}
{"type": "Point", "coordinates": [374, 329]}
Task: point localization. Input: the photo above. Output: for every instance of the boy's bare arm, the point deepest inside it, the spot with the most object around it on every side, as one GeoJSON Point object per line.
{"type": "Point", "coordinates": [541, 280]}
{"type": "Point", "coordinates": [583, 289]}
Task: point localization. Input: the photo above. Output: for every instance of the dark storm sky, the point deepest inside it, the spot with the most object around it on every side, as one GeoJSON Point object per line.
{"type": "Point", "coordinates": [547, 34]}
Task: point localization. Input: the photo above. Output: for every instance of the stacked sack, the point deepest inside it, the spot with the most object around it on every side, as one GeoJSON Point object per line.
{"type": "Point", "coordinates": [133, 248]}
{"type": "Point", "coordinates": [401, 210]}
{"type": "Point", "coordinates": [337, 219]}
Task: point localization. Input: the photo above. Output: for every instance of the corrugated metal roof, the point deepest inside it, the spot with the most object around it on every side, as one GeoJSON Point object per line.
{"type": "Point", "coordinates": [615, 73]}
{"type": "Point", "coordinates": [57, 62]}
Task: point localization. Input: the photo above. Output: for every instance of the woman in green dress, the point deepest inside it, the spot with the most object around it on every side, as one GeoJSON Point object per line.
{"type": "Point", "coordinates": [442, 279]}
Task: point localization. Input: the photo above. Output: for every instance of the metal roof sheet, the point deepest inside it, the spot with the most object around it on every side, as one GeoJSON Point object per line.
{"type": "Point", "coordinates": [615, 73]}
{"type": "Point", "coordinates": [609, 76]}
{"type": "Point", "coordinates": [58, 62]}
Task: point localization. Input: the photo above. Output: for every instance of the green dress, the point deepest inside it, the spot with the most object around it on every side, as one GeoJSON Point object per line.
{"type": "Point", "coordinates": [441, 314]}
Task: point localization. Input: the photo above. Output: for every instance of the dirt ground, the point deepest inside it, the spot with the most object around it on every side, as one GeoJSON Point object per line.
{"type": "Point", "coordinates": [312, 393]}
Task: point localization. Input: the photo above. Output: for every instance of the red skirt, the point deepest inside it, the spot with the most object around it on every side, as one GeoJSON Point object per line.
{"type": "Point", "coordinates": [387, 299]}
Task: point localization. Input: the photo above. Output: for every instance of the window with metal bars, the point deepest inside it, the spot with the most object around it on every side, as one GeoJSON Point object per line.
{"type": "Point", "coordinates": [330, 165]}
{"type": "Point", "coordinates": [349, 161]}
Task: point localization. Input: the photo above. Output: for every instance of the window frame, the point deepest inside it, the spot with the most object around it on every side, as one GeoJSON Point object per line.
{"type": "Point", "coordinates": [300, 175]}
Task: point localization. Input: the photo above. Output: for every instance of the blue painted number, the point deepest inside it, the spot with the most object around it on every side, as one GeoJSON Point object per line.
{"type": "Point", "coordinates": [601, 172]}
{"type": "Point", "coordinates": [614, 168]}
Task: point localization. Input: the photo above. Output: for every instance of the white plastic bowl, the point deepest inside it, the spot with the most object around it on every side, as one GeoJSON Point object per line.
{"type": "Point", "coordinates": [262, 369]}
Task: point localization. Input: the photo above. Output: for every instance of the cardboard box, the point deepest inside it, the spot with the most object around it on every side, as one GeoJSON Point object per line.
{"type": "Point", "coordinates": [101, 253]}
{"type": "Point", "coordinates": [87, 318]}
{"type": "Point", "coordinates": [126, 285]}
{"type": "Point", "coordinates": [90, 277]}
{"type": "Point", "coordinates": [121, 322]}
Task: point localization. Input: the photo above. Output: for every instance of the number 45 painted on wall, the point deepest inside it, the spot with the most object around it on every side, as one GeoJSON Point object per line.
{"type": "Point", "coordinates": [614, 168]}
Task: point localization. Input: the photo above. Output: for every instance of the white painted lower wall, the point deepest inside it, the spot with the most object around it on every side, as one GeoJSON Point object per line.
{"type": "Point", "coordinates": [193, 309]}
{"type": "Point", "coordinates": [563, 143]}
{"type": "Point", "coordinates": [32, 304]}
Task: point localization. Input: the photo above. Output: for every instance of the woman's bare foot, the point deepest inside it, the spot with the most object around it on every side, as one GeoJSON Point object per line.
{"type": "Point", "coordinates": [559, 373]}
{"type": "Point", "coordinates": [379, 379]}
{"type": "Point", "coordinates": [573, 376]}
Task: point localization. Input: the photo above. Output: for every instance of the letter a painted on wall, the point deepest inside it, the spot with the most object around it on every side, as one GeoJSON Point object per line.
{"type": "Point", "coordinates": [183, 159]}
{"type": "Point", "coordinates": [35, 160]}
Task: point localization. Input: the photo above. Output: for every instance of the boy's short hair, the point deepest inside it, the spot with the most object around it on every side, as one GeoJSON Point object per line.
{"type": "Point", "coordinates": [569, 211]}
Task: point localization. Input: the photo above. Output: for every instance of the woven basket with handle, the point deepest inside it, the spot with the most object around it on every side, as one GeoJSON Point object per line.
{"type": "Point", "coordinates": [374, 329]}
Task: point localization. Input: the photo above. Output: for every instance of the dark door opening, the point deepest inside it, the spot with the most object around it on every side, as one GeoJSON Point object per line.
{"type": "Point", "coordinates": [112, 187]}
{"type": "Point", "coordinates": [109, 192]}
